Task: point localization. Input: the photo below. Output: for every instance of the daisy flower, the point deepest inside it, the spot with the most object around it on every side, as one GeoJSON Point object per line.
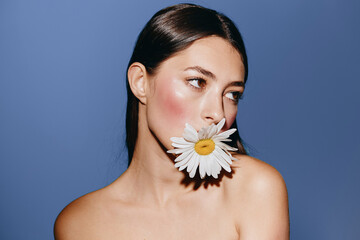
{"type": "Point", "coordinates": [204, 149]}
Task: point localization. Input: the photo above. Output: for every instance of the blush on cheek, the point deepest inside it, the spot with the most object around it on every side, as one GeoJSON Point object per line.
{"type": "Point", "coordinates": [230, 120]}
{"type": "Point", "coordinates": [173, 105]}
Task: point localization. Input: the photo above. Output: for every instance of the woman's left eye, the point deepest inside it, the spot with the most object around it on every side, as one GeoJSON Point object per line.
{"type": "Point", "coordinates": [234, 96]}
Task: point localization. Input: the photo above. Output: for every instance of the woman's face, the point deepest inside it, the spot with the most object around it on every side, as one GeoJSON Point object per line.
{"type": "Point", "coordinates": [199, 85]}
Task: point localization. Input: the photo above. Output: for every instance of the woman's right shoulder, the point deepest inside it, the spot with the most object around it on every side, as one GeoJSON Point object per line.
{"type": "Point", "coordinates": [76, 219]}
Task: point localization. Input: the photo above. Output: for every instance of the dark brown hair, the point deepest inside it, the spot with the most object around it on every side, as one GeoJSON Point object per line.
{"type": "Point", "coordinates": [169, 31]}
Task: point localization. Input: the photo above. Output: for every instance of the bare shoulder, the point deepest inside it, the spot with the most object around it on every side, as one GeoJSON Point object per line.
{"type": "Point", "coordinates": [76, 219]}
{"type": "Point", "coordinates": [258, 197]}
{"type": "Point", "coordinates": [256, 177]}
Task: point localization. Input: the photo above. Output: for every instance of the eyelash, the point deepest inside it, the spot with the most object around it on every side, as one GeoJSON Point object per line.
{"type": "Point", "coordinates": [203, 81]}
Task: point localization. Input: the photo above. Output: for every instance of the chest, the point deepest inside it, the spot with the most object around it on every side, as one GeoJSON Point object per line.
{"type": "Point", "coordinates": [202, 220]}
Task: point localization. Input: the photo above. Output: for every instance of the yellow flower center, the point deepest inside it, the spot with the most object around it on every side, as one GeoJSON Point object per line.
{"type": "Point", "coordinates": [204, 146]}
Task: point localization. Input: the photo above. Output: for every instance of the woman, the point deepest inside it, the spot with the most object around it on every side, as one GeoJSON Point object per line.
{"type": "Point", "coordinates": [188, 68]}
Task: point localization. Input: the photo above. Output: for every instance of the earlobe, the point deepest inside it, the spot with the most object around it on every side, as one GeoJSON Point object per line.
{"type": "Point", "coordinates": [137, 81]}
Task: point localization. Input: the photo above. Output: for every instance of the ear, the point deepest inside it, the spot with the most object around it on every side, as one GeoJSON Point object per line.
{"type": "Point", "coordinates": [137, 81]}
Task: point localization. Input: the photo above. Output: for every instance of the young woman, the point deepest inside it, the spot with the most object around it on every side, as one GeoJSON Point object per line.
{"type": "Point", "coordinates": [188, 69]}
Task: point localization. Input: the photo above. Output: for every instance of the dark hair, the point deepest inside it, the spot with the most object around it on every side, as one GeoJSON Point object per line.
{"type": "Point", "coordinates": [169, 31]}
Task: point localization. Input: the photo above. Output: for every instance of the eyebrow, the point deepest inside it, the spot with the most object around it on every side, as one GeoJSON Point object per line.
{"type": "Point", "coordinates": [202, 71]}
{"type": "Point", "coordinates": [211, 75]}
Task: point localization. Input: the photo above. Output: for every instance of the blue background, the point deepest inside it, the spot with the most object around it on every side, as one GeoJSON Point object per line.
{"type": "Point", "coordinates": [62, 104]}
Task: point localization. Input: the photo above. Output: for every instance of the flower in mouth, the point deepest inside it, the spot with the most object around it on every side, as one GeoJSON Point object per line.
{"type": "Point", "coordinates": [204, 149]}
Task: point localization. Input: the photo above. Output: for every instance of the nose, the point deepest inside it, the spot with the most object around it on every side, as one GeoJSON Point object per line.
{"type": "Point", "coordinates": [213, 109]}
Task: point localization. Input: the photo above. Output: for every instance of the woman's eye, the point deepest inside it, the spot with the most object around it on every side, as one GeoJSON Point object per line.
{"type": "Point", "coordinates": [235, 96]}
{"type": "Point", "coordinates": [197, 83]}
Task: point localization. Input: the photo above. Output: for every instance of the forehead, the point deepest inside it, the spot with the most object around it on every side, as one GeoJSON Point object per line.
{"type": "Point", "coordinates": [211, 53]}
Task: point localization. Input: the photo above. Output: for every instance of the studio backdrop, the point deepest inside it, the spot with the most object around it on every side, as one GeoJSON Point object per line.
{"type": "Point", "coordinates": [63, 100]}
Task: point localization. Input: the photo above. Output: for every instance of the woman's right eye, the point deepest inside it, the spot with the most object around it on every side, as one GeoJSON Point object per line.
{"type": "Point", "coordinates": [197, 83]}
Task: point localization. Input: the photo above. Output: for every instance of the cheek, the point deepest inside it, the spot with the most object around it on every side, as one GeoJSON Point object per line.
{"type": "Point", "coordinates": [230, 121]}
{"type": "Point", "coordinates": [230, 115]}
{"type": "Point", "coordinates": [174, 105]}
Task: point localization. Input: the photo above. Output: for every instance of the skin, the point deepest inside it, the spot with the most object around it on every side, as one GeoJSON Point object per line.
{"type": "Point", "coordinates": [152, 199]}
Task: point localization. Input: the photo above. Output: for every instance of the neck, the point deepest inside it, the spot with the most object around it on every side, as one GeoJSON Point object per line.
{"type": "Point", "coordinates": [151, 174]}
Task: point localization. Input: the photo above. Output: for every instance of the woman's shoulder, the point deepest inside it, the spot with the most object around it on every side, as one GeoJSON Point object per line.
{"type": "Point", "coordinates": [256, 192]}
{"type": "Point", "coordinates": [255, 183]}
{"type": "Point", "coordinates": [254, 175]}
{"type": "Point", "coordinates": [76, 218]}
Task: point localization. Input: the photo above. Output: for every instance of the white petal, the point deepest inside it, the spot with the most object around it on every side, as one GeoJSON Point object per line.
{"type": "Point", "coordinates": [183, 167]}
{"type": "Point", "coordinates": [212, 167]}
{"type": "Point", "coordinates": [220, 125]}
{"type": "Point", "coordinates": [226, 147]}
{"type": "Point", "coordinates": [177, 151]}
{"type": "Point", "coordinates": [190, 128]}
{"type": "Point", "coordinates": [202, 133]}
{"type": "Point", "coordinates": [183, 155]}
{"type": "Point", "coordinates": [223, 155]}
{"type": "Point", "coordinates": [226, 134]}
{"type": "Point", "coordinates": [224, 164]}
{"type": "Point", "coordinates": [215, 169]}
{"type": "Point", "coordinates": [230, 156]}
{"type": "Point", "coordinates": [216, 140]}
{"type": "Point", "coordinates": [228, 153]}
{"type": "Point", "coordinates": [193, 170]}
{"type": "Point", "coordinates": [221, 161]}
{"type": "Point", "coordinates": [180, 140]}
{"type": "Point", "coordinates": [190, 137]}
{"type": "Point", "coordinates": [218, 167]}
{"type": "Point", "coordinates": [212, 131]}
{"type": "Point", "coordinates": [202, 167]}
{"type": "Point", "coordinates": [209, 162]}
{"type": "Point", "coordinates": [191, 163]}
{"type": "Point", "coordinates": [182, 145]}
{"type": "Point", "coordinates": [185, 160]}
{"type": "Point", "coordinates": [229, 131]}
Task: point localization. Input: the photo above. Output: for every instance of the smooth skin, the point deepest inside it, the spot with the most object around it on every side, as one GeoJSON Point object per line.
{"type": "Point", "coordinates": [152, 199]}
